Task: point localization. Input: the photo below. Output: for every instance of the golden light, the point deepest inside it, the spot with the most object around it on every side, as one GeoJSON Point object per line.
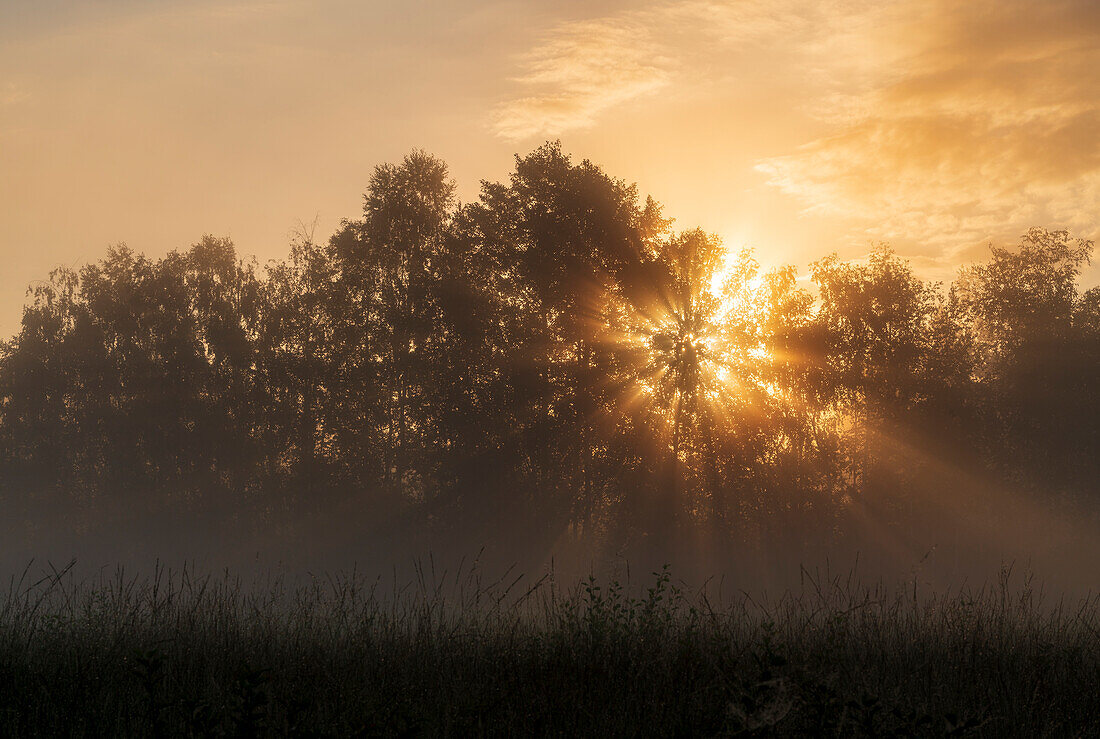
{"type": "Point", "coordinates": [703, 351]}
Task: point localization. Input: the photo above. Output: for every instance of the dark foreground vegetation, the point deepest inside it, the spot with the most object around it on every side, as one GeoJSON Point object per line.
{"type": "Point", "coordinates": [452, 654]}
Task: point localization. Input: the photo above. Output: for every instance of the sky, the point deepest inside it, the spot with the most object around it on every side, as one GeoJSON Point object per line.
{"type": "Point", "coordinates": [797, 128]}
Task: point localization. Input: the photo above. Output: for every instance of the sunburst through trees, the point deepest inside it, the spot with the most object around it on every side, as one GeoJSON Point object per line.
{"type": "Point", "coordinates": [551, 358]}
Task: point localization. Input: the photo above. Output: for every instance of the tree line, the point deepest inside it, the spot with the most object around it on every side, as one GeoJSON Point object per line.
{"type": "Point", "coordinates": [555, 353]}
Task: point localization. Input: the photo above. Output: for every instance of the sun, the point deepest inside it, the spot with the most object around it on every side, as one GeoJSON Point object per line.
{"type": "Point", "coordinates": [736, 283]}
{"type": "Point", "coordinates": [694, 339]}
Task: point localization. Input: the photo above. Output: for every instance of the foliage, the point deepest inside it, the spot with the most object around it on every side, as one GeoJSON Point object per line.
{"type": "Point", "coordinates": [552, 355]}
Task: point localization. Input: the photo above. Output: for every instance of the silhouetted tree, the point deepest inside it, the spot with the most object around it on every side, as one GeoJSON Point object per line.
{"type": "Point", "coordinates": [549, 360]}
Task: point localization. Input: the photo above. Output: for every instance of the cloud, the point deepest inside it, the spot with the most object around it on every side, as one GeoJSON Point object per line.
{"type": "Point", "coordinates": [935, 125]}
{"type": "Point", "coordinates": [985, 125]}
{"type": "Point", "coordinates": [580, 70]}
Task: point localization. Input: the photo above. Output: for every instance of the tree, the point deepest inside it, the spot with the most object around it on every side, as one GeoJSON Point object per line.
{"type": "Point", "coordinates": [390, 264]}
{"type": "Point", "coordinates": [1035, 356]}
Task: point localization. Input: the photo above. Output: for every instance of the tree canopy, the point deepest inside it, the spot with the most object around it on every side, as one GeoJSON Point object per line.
{"type": "Point", "coordinates": [554, 355]}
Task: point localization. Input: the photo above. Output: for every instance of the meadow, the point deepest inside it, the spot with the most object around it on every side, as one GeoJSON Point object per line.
{"type": "Point", "coordinates": [454, 653]}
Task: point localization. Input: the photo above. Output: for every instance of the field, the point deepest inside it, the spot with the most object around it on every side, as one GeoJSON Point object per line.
{"type": "Point", "coordinates": [452, 654]}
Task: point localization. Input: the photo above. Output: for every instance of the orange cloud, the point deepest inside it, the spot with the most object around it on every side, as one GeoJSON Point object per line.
{"type": "Point", "coordinates": [935, 125]}
{"type": "Point", "coordinates": [985, 125]}
{"type": "Point", "coordinates": [580, 70]}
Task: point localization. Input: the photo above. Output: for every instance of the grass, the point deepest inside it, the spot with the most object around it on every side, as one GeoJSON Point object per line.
{"type": "Point", "coordinates": [174, 654]}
